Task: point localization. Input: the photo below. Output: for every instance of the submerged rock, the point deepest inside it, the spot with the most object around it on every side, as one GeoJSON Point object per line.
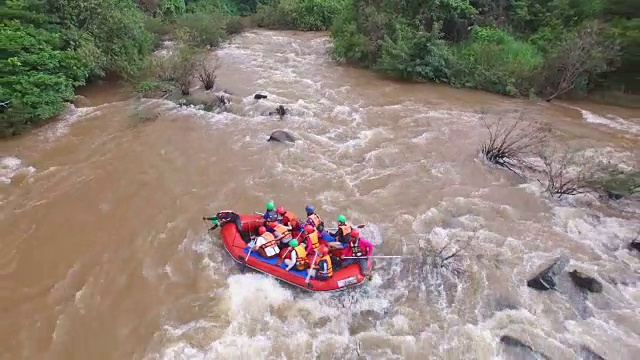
{"type": "Point", "coordinates": [259, 96]}
{"type": "Point", "coordinates": [517, 349]}
{"type": "Point", "coordinates": [280, 111]}
{"type": "Point", "coordinates": [586, 282]}
{"type": "Point", "coordinates": [281, 136]}
{"type": "Point", "coordinates": [586, 353]}
{"type": "Point", "coordinates": [545, 280]}
{"type": "Point", "coordinates": [80, 101]}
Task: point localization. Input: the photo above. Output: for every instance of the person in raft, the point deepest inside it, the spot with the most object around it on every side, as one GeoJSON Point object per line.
{"type": "Point", "coordinates": [311, 239]}
{"type": "Point", "coordinates": [270, 214]}
{"type": "Point", "coordinates": [357, 252]}
{"type": "Point", "coordinates": [324, 267]}
{"type": "Point", "coordinates": [296, 256]}
{"type": "Point", "coordinates": [342, 235]}
{"type": "Point", "coordinates": [313, 218]}
{"type": "Point", "coordinates": [266, 244]}
{"type": "Point", "coordinates": [281, 233]}
{"type": "Point", "coordinates": [289, 219]}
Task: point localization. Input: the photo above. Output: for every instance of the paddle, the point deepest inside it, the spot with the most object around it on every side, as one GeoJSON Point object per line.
{"type": "Point", "coordinates": [243, 266]}
{"type": "Point", "coordinates": [306, 281]}
{"type": "Point", "coordinates": [214, 221]}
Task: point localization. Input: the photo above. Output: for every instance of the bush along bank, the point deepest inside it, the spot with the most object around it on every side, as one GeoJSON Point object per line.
{"type": "Point", "coordinates": [545, 48]}
{"type": "Point", "coordinates": [51, 47]}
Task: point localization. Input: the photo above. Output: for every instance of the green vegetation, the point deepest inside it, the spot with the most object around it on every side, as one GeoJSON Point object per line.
{"type": "Point", "coordinates": [514, 47]}
{"type": "Point", "coordinates": [50, 47]}
{"type": "Point", "coordinates": [309, 15]}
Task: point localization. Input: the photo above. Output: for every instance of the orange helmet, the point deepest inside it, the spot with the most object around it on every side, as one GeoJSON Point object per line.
{"type": "Point", "coordinates": [262, 230]}
{"type": "Point", "coordinates": [308, 229]}
{"type": "Point", "coordinates": [281, 210]}
{"type": "Point", "coordinates": [355, 234]}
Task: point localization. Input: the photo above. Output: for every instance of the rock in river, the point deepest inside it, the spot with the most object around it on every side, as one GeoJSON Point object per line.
{"type": "Point", "coordinates": [585, 281]}
{"type": "Point", "coordinates": [517, 349]}
{"type": "Point", "coordinates": [281, 136]}
{"type": "Point", "coordinates": [545, 280]}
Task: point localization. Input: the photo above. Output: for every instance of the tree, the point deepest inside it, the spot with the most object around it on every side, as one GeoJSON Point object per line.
{"type": "Point", "coordinates": [582, 54]}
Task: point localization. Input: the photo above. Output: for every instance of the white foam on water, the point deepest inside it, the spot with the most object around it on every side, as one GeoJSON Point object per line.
{"type": "Point", "coordinates": [11, 166]}
{"type": "Point", "coordinates": [611, 121]}
{"type": "Point", "coordinates": [407, 310]}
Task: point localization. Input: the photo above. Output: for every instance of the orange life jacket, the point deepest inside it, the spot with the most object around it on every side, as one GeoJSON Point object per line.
{"type": "Point", "coordinates": [271, 240]}
{"type": "Point", "coordinates": [329, 272]}
{"type": "Point", "coordinates": [313, 237]}
{"type": "Point", "coordinates": [346, 231]}
{"type": "Point", "coordinates": [315, 218]}
{"type": "Point", "coordinates": [291, 216]}
{"type": "Point", "coordinates": [282, 230]}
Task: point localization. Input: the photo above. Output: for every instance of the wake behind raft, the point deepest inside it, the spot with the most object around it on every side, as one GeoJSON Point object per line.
{"type": "Point", "coordinates": [237, 231]}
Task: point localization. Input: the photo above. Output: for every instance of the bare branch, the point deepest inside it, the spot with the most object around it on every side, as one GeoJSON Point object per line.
{"type": "Point", "coordinates": [565, 174]}
{"type": "Point", "coordinates": [511, 140]}
{"type": "Point", "coordinates": [207, 71]}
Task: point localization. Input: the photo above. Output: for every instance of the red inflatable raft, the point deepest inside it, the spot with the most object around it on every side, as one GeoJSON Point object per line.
{"type": "Point", "coordinates": [346, 277]}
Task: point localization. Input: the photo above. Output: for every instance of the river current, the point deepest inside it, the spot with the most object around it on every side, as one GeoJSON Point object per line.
{"type": "Point", "coordinates": [105, 256]}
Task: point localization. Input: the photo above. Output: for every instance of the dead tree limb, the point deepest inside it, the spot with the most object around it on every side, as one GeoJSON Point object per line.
{"type": "Point", "coordinates": [512, 140]}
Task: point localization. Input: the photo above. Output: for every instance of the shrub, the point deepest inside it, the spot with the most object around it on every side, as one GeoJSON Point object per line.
{"type": "Point", "coordinates": [178, 68]}
{"type": "Point", "coordinates": [203, 29]}
{"type": "Point", "coordinates": [415, 54]}
{"type": "Point", "coordinates": [495, 61]}
{"type": "Point", "coordinates": [207, 71]}
{"type": "Point", "coordinates": [233, 25]}
{"type": "Point", "coordinates": [309, 15]}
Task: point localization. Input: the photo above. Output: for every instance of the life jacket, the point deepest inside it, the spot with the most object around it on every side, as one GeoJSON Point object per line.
{"type": "Point", "coordinates": [346, 232]}
{"type": "Point", "coordinates": [282, 230]}
{"type": "Point", "coordinates": [291, 216]}
{"type": "Point", "coordinates": [271, 245]}
{"type": "Point", "coordinates": [315, 243]}
{"type": "Point", "coordinates": [301, 257]}
{"type": "Point", "coordinates": [262, 242]}
{"type": "Point", "coordinates": [356, 250]}
{"type": "Point", "coordinates": [329, 272]}
{"type": "Point", "coordinates": [315, 219]}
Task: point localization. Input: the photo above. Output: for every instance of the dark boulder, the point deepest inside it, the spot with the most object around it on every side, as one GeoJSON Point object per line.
{"type": "Point", "coordinates": [635, 245]}
{"type": "Point", "coordinates": [586, 353]}
{"type": "Point", "coordinates": [585, 281]}
{"type": "Point", "coordinates": [614, 195]}
{"type": "Point", "coordinates": [517, 349]}
{"type": "Point", "coordinates": [545, 280]}
{"type": "Point", "coordinates": [259, 96]}
{"type": "Point", "coordinates": [281, 136]}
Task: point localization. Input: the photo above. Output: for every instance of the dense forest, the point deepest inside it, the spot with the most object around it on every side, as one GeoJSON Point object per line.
{"type": "Point", "coordinates": [541, 48]}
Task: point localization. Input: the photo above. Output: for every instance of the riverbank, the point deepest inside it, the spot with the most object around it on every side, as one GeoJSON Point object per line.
{"type": "Point", "coordinates": [462, 54]}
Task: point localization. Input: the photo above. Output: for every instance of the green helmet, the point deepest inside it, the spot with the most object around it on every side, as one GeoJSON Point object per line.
{"type": "Point", "coordinates": [270, 206]}
{"type": "Point", "coordinates": [342, 218]}
{"type": "Point", "coordinates": [293, 243]}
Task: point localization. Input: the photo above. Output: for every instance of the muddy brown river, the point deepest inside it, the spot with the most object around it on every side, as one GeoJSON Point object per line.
{"type": "Point", "coordinates": [104, 254]}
